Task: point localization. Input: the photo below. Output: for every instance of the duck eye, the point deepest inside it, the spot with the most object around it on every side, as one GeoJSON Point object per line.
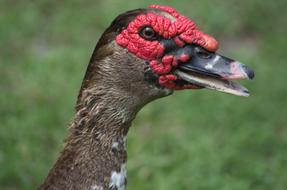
{"type": "Point", "coordinates": [202, 53]}
{"type": "Point", "coordinates": [147, 33]}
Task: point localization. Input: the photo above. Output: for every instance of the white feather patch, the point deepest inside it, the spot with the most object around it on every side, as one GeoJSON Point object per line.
{"type": "Point", "coordinates": [118, 178]}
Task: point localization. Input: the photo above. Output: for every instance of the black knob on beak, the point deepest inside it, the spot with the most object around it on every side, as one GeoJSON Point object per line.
{"type": "Point", "coordinates": [249, 72]}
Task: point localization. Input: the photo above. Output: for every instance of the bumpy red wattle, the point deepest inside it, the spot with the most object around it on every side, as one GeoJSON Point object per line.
{"type": "Point", "coordinates": [187, 30]}
{"type": "Point", "coordinates": [182, 31]}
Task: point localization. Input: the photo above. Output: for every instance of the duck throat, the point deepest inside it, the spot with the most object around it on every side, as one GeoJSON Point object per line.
{"type": "Point", "coordinates": [94, 156]}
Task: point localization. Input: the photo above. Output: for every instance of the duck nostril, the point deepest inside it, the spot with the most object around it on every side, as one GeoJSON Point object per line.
{"type": "Point", "coordinates": [202, 53]}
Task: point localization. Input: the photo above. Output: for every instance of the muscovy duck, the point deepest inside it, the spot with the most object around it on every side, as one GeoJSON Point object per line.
{"type": "Point", "coordinates": [144, 55]}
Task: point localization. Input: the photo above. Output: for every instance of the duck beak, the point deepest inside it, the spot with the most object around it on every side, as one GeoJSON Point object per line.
{"type": "Point", "coordinates": [213, 71]}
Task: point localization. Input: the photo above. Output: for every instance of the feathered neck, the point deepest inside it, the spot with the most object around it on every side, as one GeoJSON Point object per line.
{"type": "Point", "coordinates": [95, 155]}
{"type": "Point", "coordinates": [114, 89]}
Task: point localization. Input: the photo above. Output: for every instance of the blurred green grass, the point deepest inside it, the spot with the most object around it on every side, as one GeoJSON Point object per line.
{"type": "Point", "coordinates": [191, 140]}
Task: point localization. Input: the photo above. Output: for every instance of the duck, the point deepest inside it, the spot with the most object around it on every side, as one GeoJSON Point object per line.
{"type": "Point", "coordinates": [145, 54]}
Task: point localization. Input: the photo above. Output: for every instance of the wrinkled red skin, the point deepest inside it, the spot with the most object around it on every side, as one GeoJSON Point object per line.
{"type": "Point", "coordinates": [182, 31]}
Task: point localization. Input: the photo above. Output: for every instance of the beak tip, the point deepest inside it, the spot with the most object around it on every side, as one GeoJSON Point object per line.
{"type": "Point", "coordinates": [250, 73]}
{"type": "Point", "coordinates": [246, 93]}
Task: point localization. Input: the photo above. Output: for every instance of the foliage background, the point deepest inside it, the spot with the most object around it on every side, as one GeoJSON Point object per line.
{"type": "Point", "coordinates": [191, 140]}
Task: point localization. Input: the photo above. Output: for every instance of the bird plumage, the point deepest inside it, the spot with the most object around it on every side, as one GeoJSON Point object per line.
{"type": "Point", "coordinates": [134, 63]}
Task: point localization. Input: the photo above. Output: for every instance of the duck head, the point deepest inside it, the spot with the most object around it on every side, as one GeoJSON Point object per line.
{"type": "Point", "coordinates": [152, 52]}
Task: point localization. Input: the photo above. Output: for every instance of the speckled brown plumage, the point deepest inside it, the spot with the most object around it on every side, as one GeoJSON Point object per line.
{"type": "Point", "coordinates": [113, 91]}
{"type": "Point", "coordinates": [127, 71]}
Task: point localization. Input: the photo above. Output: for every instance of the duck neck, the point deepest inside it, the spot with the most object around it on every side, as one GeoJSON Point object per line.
{"type": "Point", "coordinates": [94, 156]}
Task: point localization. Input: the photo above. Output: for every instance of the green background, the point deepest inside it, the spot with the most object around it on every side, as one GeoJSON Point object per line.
{"type": "Point", "coordinates": [190, 140]}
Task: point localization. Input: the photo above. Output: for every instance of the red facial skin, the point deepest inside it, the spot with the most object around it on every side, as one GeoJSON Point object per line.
{"type": "Point", "coordinates": [182, 31]}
